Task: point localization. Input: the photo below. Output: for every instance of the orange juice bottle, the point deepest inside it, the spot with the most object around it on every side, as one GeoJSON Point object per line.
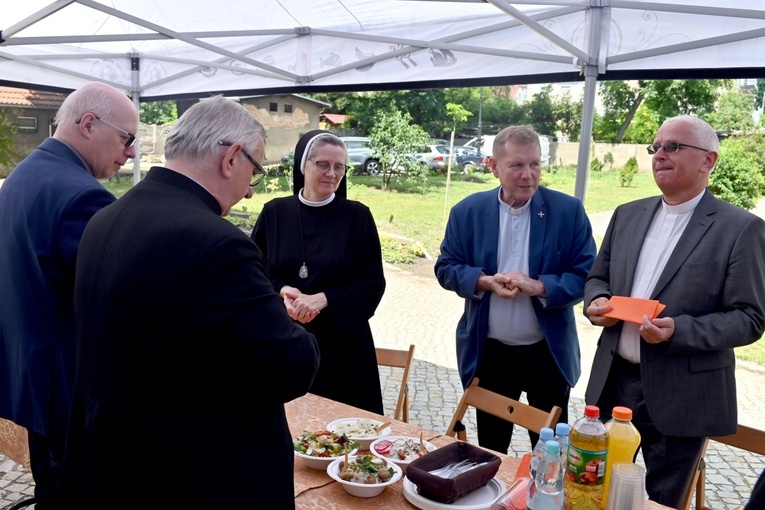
{"type": "Point", "coordinates": [586, 465]}
{"type": "Point", "coordinates": [624, 440]}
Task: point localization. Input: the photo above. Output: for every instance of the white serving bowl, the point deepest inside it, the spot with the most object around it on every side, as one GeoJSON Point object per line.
{"type": "Point", "coordinates": [321, 463]}
{"type": "Point", "coordinates": [402, 463]}
{"type": "Point", "coordinates": [364, 439]}
{"type": "Point", "coordinates": [363, 490]}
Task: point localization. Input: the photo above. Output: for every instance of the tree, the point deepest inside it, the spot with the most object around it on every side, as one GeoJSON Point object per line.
{"type": "Point", "coordinates": [737, 178]}
{"type": "Point", "coordinates": [568, 116]}
{"type": "Point", "coordinates": [457, 113]}
{"type": "Point", "coordinates": [394, 139]}
{"type": "Point", "coordinates": [666, 98]}
{"type": "Point", "coordinates": [159, 113]}
{"type": "Point", "coordinates": [759, 93]}
{"type": "Point", "coordinates": [733, 112]}
{"type": "Point", "coordinates": [539, 113]}
{"type": "Point", "coordinates": [7, 154]}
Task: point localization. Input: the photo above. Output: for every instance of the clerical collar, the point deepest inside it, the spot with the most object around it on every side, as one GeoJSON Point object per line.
{"type": "Point", "coordinates": [685, 206]}
{"type": "Point", "coordinates": [315, 204]}
{"type": "Point", "coordinates": [515, 211]}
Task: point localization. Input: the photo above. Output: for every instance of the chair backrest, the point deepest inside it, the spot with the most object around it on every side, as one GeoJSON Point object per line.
{"type": "Point", "coordinates": [745, 438]}
{"type": "Point", "coordinates": [398, 358]}
{"type": "Point", "coordinates": [503, 407]}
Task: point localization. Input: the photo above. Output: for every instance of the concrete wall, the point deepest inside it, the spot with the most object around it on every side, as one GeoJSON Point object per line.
{"type": "Point", "coordinates": [566, 153]}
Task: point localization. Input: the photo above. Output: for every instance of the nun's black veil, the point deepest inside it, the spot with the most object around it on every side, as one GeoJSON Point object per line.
{"type": "Point", "coordinates": [298, 179]}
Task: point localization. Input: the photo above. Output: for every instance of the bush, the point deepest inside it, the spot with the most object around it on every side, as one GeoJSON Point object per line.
{"type": "Point", "coordinates": [596, 165]}
{"type": "Point", "coordinates": [609, 158]}
{"type": "Point", "coordinates": [628, 172]}
{"type": "Point", "coordinates": [737, 178]}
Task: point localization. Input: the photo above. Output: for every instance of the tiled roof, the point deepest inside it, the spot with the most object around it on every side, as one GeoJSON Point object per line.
{"type": "Point", "coordinates": [24, 97]}
{"type": "Point", "coordinates": [334, 118]}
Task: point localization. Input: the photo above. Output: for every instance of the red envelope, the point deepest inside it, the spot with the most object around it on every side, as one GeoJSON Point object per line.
{"type": "Point", "coordinates": [632, 309]}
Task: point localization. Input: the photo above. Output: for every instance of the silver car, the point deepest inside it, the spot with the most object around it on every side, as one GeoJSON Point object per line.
{"type": "Point", "coordinates": [361, 154]}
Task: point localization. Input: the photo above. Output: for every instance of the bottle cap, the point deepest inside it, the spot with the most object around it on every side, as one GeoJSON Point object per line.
{"type": "Point", "coordinates": [591, 411]}
{"type": "Point", "coordinates": [552, 447]}
{"type": "Point", "coordinates": [546, 433]}
{"type": "Point", "coordinates": [622, 413]}
{"type": "Point", "coordinates": [562, 429]}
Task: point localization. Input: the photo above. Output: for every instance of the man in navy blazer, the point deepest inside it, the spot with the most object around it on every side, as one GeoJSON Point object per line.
{"type": "Point", "coordinates": [519, 256]}
{"type": "Point", "coordinates": [45, 204]}
{"type": "Point", "coordinates": [705, 260]}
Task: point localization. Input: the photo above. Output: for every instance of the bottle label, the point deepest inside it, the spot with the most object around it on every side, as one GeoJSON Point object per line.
{"type": "Point", "coordinates": [586, 467]}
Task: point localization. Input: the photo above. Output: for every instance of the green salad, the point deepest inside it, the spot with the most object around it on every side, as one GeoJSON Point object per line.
{"type": "Point", "coordinates": [323, 443]}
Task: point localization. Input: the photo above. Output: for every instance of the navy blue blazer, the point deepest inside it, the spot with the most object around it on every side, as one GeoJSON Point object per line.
{"type": "Point", "coordinates": [45, 204]}
{"type": "Point", "coordinates": [561, 252]}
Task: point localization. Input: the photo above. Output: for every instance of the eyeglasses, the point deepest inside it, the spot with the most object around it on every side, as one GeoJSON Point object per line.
{"type": "Point", "coordinates": [259, 172]}
{"type": "Point", "coordinates": [130, 136]}
{"type": "Point", "coordinates": [325, 166]}
{"type": "Point", "coordinates": [671, 147]}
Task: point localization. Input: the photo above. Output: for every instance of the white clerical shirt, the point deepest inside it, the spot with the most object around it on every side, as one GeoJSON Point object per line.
{"type": "Point", "coordinates": [667, 226]}
{"type": "Point", "coordinates": [513, 321]}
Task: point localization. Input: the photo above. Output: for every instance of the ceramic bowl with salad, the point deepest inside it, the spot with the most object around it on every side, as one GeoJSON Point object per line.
{"type": "Point", "coordinates": [318, 449]}
{"type": "Point", "coordinates": [401, 449]}
{"type": "Point", "coordinates": [362, 430]}
{"type": "Point", "coordinates": [365, 476]}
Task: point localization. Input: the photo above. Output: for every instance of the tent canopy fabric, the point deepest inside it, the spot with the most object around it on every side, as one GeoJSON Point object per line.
{"type": "Point", "coordinates": [174, 49]}
{"type": "Point", "coordinates": [192, 48]}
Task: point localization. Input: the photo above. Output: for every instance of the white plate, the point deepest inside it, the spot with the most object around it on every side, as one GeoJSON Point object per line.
{"type": "Point", "coordinates": [364, 441]}
{"type": "Point", "coordinates": [480, 499]}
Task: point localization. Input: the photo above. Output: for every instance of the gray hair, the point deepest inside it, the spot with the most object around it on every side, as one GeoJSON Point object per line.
{"type": "Point", "coordinates": [201, 127]}
{"type": "Point", "coordinates": [704, 134]}
{"type": "Point", "coordinates": [322, 140]}
{"type": "Point", "coordinates": [96, 98]}
{"type": "Point", "coordinates": [515, 134]}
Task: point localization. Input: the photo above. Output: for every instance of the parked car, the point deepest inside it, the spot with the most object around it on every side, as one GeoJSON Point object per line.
{"type": "Point", "coordinates": [466, 157]}
{"type": "Point", "coordinates": [435, 157]}
{"type": "Point", "coordinates": [361, 154]}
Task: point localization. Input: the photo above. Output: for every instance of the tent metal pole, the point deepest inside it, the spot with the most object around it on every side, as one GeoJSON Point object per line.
{"type": "Point", "coordinates": [595, 16]}
{"type": "Point", "coordinates": [588, 109]}
{"type": "Point", "coordinates": [135, 67]}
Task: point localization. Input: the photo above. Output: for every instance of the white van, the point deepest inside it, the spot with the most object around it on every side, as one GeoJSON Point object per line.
{"type": "Point", "coordinates": [488, 145]}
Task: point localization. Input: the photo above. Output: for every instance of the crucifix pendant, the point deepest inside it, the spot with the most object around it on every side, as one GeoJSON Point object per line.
{"type": "Point", "coordinates": [303, 271]}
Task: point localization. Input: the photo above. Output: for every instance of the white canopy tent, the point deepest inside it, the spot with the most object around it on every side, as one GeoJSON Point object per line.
{"type": "Point", "coordinates": [174, 49]}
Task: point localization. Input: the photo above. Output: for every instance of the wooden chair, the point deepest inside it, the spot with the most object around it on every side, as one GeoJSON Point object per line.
{"type": "Point", "coordinates": [399, 359]}
{"type": "Point", "coordinates": [503, 407]}
{"type": "Point", "coordinates": [746, 438]}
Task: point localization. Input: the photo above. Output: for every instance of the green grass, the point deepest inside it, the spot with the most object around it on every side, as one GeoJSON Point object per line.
{"type": "Point", "coordinates": [416, 210]}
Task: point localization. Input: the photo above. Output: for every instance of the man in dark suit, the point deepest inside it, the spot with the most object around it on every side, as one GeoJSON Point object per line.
{"type": "Point", "coordinates": [186, 353]}
{"type": "Point", "coordinates": [45, 204]}
{"type": "Point", "coordinates": [519, 256]}
{"type": "Point", "coordinates": [705, 260]}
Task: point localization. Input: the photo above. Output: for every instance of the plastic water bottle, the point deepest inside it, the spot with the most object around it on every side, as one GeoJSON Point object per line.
{"type": "Point", "coordinates": [623, 442]}
{"type": "Point", "coordinates": [562, 431]}
{"type": "Point", "coordinates": [549, 480]}
{"type": "Point", "coordinates": [586, 465]}
{"type": "Point", "coordinates": [546, 434]}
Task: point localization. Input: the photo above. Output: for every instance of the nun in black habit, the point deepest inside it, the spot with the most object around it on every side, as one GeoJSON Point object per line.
{"type": "Point", "coordinates": [323, 257]}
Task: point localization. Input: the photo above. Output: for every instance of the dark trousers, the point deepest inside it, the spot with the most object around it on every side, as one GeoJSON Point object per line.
{"type": "Point", "coordinates": [510, 370]}
{"type": "Point", "coordinates": [669, 460]}
{"type": "Point", "coordinates": [46, 454]}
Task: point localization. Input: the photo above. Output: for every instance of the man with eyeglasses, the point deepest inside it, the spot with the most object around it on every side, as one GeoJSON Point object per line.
{"type": "Point", "coordinates": [186, 354]}
{"type": "Point", "coordinates": [45, 204]}
{"type": "Point", "coordinates": [705, 260]}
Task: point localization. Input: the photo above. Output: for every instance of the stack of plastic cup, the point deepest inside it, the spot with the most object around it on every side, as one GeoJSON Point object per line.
{"type": "Point", "coordinates": [627, 489]}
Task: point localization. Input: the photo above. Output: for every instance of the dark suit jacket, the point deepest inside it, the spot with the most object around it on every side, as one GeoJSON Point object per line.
{"type": "Point", "coordinates": [44, 206]}
{"type": "Point", "coordinates": [185, 358]}
{"type": "Point", "coordinates": [561, 252]}
{"type": "Point", "coordinates": [714, 289]}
